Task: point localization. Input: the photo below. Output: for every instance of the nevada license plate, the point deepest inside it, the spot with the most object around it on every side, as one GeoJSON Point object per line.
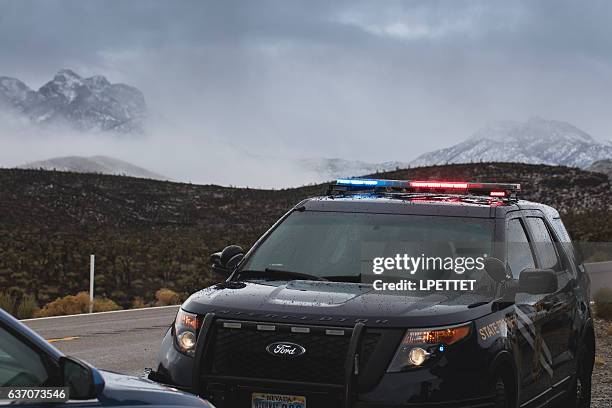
{"type": "Point", "coordinates": [264, 400]}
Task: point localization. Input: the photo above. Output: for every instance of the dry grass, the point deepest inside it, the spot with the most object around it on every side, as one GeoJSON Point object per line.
{"type": "Point", "coordinates": [75, 305]}
{"type": "Point", "coordinates": [167, 297]}
{"type": "Point", "coordinates": [27, 308]}
{"type": "Point", "coordinates": [22, 308]}
{"type": "Point", "coordinates": [600, 361]}
{"type": "Point", "coordinates": [105, 305]}
{"type": "Point", "coordinates": [7, 302]}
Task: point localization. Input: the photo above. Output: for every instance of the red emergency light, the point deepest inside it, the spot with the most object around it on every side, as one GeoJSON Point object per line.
{"type": "Point", "coordinates": [497, 193]}
{"type": "Point", "coordinates": [439, 184]}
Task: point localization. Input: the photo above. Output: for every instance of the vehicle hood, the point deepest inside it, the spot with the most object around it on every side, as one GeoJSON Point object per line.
{"type": "Point", "coordinates": [335, 303]}
{"type": "Point", "coordinates": [122, 390]}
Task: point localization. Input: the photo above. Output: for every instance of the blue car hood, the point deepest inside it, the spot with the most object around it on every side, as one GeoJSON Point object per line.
{"type": "Point", "coordinates": [124, 390]}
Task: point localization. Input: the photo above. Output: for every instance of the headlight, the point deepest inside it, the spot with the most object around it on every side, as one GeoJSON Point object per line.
{"type": "Point", "coordinates": [186, 327]}
{"type": "Point", "coordinates": [419, 345]}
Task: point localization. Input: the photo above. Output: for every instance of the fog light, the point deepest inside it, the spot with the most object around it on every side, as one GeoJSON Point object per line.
{"type": "Point", "coordinates": [417, 356]}
{"type": "Point", "coordinates": [187, 340]}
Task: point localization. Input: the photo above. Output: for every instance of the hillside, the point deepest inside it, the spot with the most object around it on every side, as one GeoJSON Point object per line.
{"type": "Point", "coordinates": [149, 234]}
{"type": "Point", "coordinates": [93, 164]}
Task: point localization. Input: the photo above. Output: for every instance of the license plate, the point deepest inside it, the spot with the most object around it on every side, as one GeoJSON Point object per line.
{"type": "Point", "coordinates": [264, 400]}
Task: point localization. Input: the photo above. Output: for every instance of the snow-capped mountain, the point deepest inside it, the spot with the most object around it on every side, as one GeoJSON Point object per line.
{"type": "Point", "coordinates": [83, 103]}
{"type": "Point", "coordinates": [94, 164]}
{"type": "Point", "coordinates": [535, 141]}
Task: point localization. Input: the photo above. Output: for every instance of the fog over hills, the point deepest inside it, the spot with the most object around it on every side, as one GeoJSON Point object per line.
{"type": "Point", "coordinates": [90, 104]}
{"type": "Point", "coordinates": [83, 107]}
{"type": "Point", "coordinates": [536, 141]}
{"type": "Point", "coordinates": [94, 164]}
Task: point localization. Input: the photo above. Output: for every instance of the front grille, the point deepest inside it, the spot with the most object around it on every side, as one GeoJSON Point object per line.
{"type": "Point", "coordinates": [241, 352]}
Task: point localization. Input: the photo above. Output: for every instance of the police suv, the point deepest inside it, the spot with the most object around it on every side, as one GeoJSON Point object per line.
{"type": "Point", "coordinates": [338, 305]}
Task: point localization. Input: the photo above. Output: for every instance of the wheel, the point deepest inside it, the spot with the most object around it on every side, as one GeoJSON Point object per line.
{"type": "Point", "coordinates": [580, 393]}
{"type": "Point", "coordinates": [500, 394]}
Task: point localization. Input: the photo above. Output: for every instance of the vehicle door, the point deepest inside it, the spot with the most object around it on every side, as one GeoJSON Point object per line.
{"type": "Point", "coordinates": [531, 363]}
{"type": "Point", "coordinates": [558, 308]}
{"type": "Point", "coordinates": [24, 365]}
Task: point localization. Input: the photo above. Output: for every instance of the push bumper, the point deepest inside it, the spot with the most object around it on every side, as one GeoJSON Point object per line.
{"type": "Point", "coordinates": [461, 383]}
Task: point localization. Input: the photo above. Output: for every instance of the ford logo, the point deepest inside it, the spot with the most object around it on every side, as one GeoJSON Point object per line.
{"type": "Point", "coordinates": [285, 349]}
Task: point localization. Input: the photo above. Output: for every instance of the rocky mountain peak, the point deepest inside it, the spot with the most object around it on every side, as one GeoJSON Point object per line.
{"type": "Point", "coordinates": [13, 92]}
{"type": "Point", "coordinates": [97, 81]}
{"type": "Point", "coordinates": [534, 127]}
{"type": "Point", "coordinates": [92, 103]}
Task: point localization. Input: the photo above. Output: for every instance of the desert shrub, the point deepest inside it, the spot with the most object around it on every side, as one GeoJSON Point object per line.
{"type": "Point", "coordinates": [105, 305]}
{"type": "Point", "coordinates": [72, 304]}
{"type": "Point", "coordinates": [7, 302]}
{"type": "Point", "coordinates": [66, 305]}
{"type": "Point", "coordinates": [27, 307]}
{"type": "Point", "coordinates": [138, 303]}
{"type": "Point", "coordinates": [166, 297]}
{"type": "Point", "coordinates": [603, 303]}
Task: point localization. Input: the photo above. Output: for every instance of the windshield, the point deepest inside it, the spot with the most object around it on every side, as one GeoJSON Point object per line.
{"type": "Point", "coordinates": [345, 246]}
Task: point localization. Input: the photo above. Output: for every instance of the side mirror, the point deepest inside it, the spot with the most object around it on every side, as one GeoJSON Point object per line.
{"type": "Point", "coordinates": [496, 269]}
{"type": "Point", "coordinates": [82, 380]}
{"type": "Point", "coordinates": [224, 262]}
{"type": "Point", "coordinates": [538, 281]}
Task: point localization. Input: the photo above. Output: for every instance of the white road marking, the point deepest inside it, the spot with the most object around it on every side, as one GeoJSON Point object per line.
{"type": "Point", "coordinates": [101, 313]}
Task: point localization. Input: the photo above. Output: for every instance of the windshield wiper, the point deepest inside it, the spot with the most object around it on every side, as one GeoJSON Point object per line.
{"type": "Point", "coordinates": [278, 274]}
{"type": "Point", "coordinates": [344, 278]}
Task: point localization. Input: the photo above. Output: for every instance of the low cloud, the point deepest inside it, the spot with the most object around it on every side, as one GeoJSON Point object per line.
{"type": "Point", "coordinates": [177, 153]}
{"type": "Point", "coordinates": [229, 81]}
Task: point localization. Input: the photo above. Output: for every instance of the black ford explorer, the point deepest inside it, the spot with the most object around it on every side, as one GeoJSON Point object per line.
{"type": "Point", "coordinates": [305, 319]}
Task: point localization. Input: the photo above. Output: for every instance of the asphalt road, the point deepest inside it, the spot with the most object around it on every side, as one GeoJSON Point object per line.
{"type": "Point", "coordinates": [124, 341]}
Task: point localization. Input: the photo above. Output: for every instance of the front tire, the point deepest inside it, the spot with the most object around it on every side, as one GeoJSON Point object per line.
{"type": "Point", "coordinates": [500, 394]}
{"type": "Point", "coordinates": [580, 392]}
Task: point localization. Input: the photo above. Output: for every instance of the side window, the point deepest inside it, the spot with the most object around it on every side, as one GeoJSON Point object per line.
{"type": "Point", "coordinates": [544, 245]}
{"type": "Point", "coordinates": [567, 246]}
{"type": "Point", "coordinates": [518, 249]}
{"type": "Point", "coordinates": [19, 364]}
{"type": "Point", "coordinates": [561, 231]}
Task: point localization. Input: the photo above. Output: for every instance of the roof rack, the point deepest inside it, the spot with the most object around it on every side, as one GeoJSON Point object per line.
{"type": "Point", "coordinates": [346, 186]}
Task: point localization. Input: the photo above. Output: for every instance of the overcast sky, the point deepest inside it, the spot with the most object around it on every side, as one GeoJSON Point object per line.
{"type": "Point", "coordinates": [371, 80]}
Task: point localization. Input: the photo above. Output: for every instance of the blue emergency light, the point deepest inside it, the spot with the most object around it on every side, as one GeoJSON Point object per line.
{"type": "Point", "coordinates": [373, 183]}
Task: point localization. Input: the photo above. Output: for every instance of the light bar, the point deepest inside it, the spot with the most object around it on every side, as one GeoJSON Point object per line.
{"type": "Point", "coordinates": [498, 190]}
